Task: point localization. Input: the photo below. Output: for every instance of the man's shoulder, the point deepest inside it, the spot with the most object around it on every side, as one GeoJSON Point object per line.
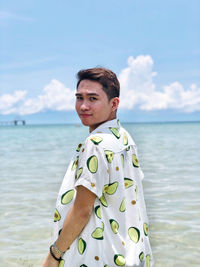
{"type": "Point", "coordinates": [99, 139]}
{"type": "Point", "coordinates": [111, 138]}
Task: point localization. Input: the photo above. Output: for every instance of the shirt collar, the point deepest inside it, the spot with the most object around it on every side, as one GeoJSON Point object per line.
{"type": "Point", "coordinates": [111, 123]}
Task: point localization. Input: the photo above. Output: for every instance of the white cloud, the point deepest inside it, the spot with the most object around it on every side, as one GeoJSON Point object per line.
{"type": "Point", "coordinates": [136, 81]}
{"type": "Point", "coordinates": [55, 97]}
{"type": "Point", "coordinates": [139, 91]}
{"type": "Point", "coordinates": [8, 101]}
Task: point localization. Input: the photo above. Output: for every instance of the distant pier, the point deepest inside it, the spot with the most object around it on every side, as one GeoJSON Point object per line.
{"type": "Point", "coordinates": [14, 122]}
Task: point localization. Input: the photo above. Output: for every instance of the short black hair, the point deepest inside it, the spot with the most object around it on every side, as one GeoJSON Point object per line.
{"type": "Point", "coordinates": [105, 77]}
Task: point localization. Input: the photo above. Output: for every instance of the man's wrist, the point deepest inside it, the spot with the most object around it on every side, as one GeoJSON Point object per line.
{"type": "Point", "coordinates": [58, 251]}
{"type": "Point", "coordinates": [54, 254]}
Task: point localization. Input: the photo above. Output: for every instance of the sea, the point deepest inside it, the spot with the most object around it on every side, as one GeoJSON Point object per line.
{"type": "Point", "coordinates": [34, 159]}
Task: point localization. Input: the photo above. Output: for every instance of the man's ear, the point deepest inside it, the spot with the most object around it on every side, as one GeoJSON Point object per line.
{"type": "Point", "coordinates": [115, 103]}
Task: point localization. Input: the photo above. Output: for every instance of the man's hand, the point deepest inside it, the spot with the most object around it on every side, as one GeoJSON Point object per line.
{"type": "Point", "coordinates": [77, 218]}
{"type": "Point", "coordinates": [74, 223]}
{"type": "Point", "coordinates": [50, 262]}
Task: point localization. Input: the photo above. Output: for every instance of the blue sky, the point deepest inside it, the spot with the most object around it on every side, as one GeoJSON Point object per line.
{"type": "Point", "coordinates": [153, 46]}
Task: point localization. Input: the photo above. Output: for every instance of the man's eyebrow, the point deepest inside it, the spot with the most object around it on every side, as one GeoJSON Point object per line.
{"type": "Point", "coordinates": [89, 94]}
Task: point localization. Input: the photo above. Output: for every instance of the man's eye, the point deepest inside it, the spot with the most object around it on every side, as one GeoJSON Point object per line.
{"type": "Point", "coordinates": [92, 98]}
{"type": "Point", "coordinates": [79, 98]}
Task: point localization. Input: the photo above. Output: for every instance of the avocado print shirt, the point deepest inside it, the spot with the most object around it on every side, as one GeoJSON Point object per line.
{"type": "Point", "coordinates": [117, 231]}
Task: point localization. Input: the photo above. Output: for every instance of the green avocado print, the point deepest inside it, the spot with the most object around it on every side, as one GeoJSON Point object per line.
{"type": "Point", "coordinates": [141, 256]}
{"type": "Point", "coordinates": [135, 161]}
{"type": "Point", "coordinates": [75, 164]}
{"type": "Point", "coordinates": [67, 196]}
{"type": "Point", "coordinates": [125, 139]}
{"type": "Point", "coordinates": [79, 148]}
{"type": "Point", "coordinates": [115, 131]}
{"type": "Point", "coordinates": [128, 148]}
{"type": "Point", "coordinates": [57, 216]}
{"type": "Point", "coordinates": [92, 164]}
{"type": "Point", "coordinates": [102, 226]}
{"type": "Point", "coordinates": [146, 228]}
{"type": "Point", "coordinates": [128, 182]}
{"type": "Point", "coordinates": [134, 234]}
{"type": "Point", "coordinates": [123, 205]}
{"type": "Point", "coordinates": [97, 211]}
{"type": "Point", "coordinates": [96, 140]}
{"type": "Point", "coordinates": [79, 172]}
{"type": "Point", "coordinates": [106, 265]}
{"type": "Point", "coordinates": [61, 263]}
{"type": "Point", "coordinates": [109, 155]}
{"type": "Point", "coordinates": [119, 260]}
{"type": "Point", "coordinates": [122, 159]}
{"type": "Point", "coordinates": [112, 188]}
{"type": "Point", "coordinates": [81, 246]}
{"type": "Point", "coordinates": [103, 201]}
{"type": "Point", "coordinates": [148, 260]}
{"type": "Point", "coordinates": [98, 233]}
{"type": "Point", "coordinates": [114, 226]}
{"type": "Point", "coordinates": [105, 188]}
{"type": "Point", "coordinates": [118, 122]}
{"type": "Point", "coordinates": [83, 265]}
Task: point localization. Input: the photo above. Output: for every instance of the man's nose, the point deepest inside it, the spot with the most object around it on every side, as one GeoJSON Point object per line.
{"type": "Point", "coordinates": [85, 105]}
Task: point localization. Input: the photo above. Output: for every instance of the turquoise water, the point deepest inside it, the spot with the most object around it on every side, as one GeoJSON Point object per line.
{"type": "Point", "coordinates": [34, 159]}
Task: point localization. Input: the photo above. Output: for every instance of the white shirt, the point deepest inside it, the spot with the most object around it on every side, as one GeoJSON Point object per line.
{"type": "Point", "coordinates": [117, 231]}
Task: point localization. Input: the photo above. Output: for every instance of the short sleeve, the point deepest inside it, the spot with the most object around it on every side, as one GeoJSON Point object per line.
{"type": "Point", "coordinates": [136, 163]}
{"type": "Point", "coordinates": [140, 172]}
{"type": "Point", "coordinates": [92, 171]}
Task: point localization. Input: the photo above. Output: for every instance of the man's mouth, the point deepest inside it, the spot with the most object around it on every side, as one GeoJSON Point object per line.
{"type": "Point", "coordinates": [84, 115]}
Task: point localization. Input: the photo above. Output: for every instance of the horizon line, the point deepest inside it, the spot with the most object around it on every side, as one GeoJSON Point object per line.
{"type": "Point", "coordinates": [80, 124]}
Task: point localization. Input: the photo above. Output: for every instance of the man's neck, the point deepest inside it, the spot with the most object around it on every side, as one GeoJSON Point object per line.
{"type": "Point", "coordinates": [92, 128]}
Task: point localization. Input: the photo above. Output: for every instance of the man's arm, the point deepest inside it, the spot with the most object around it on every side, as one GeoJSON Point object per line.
{"type": "Point", "coordinates": [74, 223]}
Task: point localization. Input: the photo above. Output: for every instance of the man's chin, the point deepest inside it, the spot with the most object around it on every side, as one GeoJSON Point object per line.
{"type": "Point", "coordinates": [89, 124]}
{"type": "Point", "coordinates": [85, 123]}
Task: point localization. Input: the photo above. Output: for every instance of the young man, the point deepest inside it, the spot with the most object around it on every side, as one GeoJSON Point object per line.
{"type": "Point", "coordinates": [100, 217]}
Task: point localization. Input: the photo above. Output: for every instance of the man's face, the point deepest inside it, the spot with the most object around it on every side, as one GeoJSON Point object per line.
{"type": "Point", "coordinates": [92, 104]}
